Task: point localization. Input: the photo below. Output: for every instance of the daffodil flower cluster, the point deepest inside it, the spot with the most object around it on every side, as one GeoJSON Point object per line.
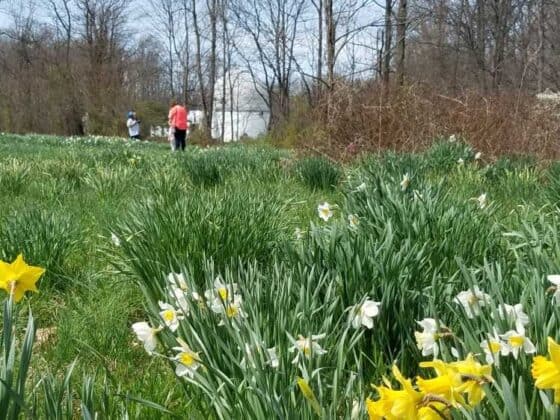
{"type": "Point", "coordinates": [223, 299]}
{"type": "Point", "coordinates": [456, 384]}
{"type": "Point", "coordinates": [511, 342]}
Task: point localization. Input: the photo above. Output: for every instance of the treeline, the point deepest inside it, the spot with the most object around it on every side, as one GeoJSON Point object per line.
{"type": "Point", "coordinates": [69, 66]}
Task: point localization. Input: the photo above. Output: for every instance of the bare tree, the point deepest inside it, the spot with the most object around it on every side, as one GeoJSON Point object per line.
{"type": "Point", "coordinates": [402, 14]}
{"type": "Point", "coordinates": [271, 28]}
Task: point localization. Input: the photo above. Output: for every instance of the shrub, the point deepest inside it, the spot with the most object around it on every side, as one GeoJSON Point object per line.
{"type": "Point", "coordinates": [318, 173]}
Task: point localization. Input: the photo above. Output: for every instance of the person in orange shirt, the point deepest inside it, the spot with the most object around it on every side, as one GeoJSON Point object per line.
{"type": "Point", "coordinates": [179, 125]}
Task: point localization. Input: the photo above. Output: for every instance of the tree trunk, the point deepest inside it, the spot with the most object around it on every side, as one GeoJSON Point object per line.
{"type": "Point", "coordinates": [331, 40]}
{"type": "Point", "coordinates": [213, 11]}
{"type": "Point", "coordinates": [388, 41]}
{"type": "Point", "coordinates": [225, 69]}
{"type": "Point", "coordinates": [202, 88]}
{"type": "Point", "coordinates": [541, 54]}
{"type": "Point", "coordinates": [319, 49]}
{"type": "Point", "coordinates": [401, 40]}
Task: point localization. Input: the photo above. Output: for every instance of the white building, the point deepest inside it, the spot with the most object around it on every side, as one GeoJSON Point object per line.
{"type": "Point", "coordinates": [245, 113]}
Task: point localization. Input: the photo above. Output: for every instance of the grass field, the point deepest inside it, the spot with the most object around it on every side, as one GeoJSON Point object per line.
{"type": "Point", "coordinates": [268, 315]}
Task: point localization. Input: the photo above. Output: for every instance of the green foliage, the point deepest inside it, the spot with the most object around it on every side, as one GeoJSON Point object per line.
{"type": "Point", "coordinates": [14, 177]}
{"type": "Point", "coordinates": [318, 173]}
{"type": "Point", "coordinates": [507, 165]}
{"type": "Point", "coordinates": [203, 170]}
{"type": "Point", "coordinates": [229, 213]}
{"type": "Point", "coordinates": [444, 155]}
{"type": "Point", "coordinates": [14, 364]}
{"type": "Point", "coordinates": [46, 239]}
{"type": "Point", "coordinates": [225, 224]}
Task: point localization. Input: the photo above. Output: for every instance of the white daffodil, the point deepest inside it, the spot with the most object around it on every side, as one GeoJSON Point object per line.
{"type": "Point", "coordinates": [427, 339]}
{"type": "Point", "coordinates": [353, 221]}
{"type": "Point", "coordinates": [272, 358]}
{"type": "Point", "coordinates": [362, 187]}
{"type": "Point", "coordinates": [452, 138]}
{"type": "Point", "coordinates": [405, 182]}
{"type": "Point", "coordinates": [231, 308]}
{"type": "Point", "coordinates": [555, 280]}
{"type": "Point", "coordinates": [221, 290]}
{"type": "Point", "coordinates": [356, 410]}
{"type": "Point", "coordinates": [513, 313]}
{"type": "Point", "coordinates": [461, 162]}
{"type": "Point", "coordinates": [493, 346]}
{"type": "Point", "coordinates": [255, 350]}
{"type": "Point", "coordinates": [325, 211]}
{"type": "Point", "coordinates": [477, 156]}
{"type": "Point", "coordinates": [179, 297]}
{"type": "Point", "coordinates": [308, 346]}
{"type": "Point", "coordinates": [170, 316]}
{"type": "Point", "coordinates": [472, 301]}
{"type": "Point", "coordinates": [363, 314]}
{"type": "Point", "coordinates": [482, 200]}
{"type": "Point", "coordinates": [115, 239]}
{"type": "Point", "coordinates": [187, 360]}
{"type": "Point", "coordinates": [515, 341]}
{"type": "Point", "coordinates": [177, 280]}
{"type": "Point", "coordinates": [298, 234]}
{"type": "Point", "coordinates": [147, 335]}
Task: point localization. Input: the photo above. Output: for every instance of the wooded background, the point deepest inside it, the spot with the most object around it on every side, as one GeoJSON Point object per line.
{"type": "Point", "coordinates": [311, 60]}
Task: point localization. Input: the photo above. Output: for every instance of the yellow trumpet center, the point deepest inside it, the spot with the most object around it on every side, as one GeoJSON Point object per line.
{"type": "Point", "coordinates": [187, 359]}
{"type": "Point", "coordinates": [168, 315]}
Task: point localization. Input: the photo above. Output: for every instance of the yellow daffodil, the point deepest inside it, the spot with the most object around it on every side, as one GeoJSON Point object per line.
{"type": "Point", "coordinates": [473, 376]}
{"type": "Point", "coordinates": [434, 410]}
{"type": "Point", "coordinates": [455, 379]}
{"type": "Point", "coordinates": [447, 383]}
{"type": "Point", "coordinates": [547, 372]}
{"type": "Point", "coordinates": [18, 277]}
{"type": "Point", "coordinates": [395, 404]}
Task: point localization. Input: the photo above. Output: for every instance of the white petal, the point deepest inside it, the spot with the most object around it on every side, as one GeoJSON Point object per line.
{"type": "Point", "coordinates": [455, 352]}
{"type": "Point", "coordinates": [318, 336]}
{"type": "Point", "coordinates": [367, 322]}
{"type": "Point", "coordinates": [529, 347]}
{"type": "Point", "coordinates": [428, 324]}
{"type": "Point", "coordinates": [554, 279]}
{"type": "Point", "coordinates": [182, 370]}
{"type": "Point", "coordinates": [150, 344]}
{"type": "Point", "coordinates": [370, 308]}
{"type": "Point", "coordinates": [143, 330]}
